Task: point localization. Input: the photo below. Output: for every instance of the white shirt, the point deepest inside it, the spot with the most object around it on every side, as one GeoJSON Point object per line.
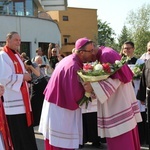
{"type": "Point", "coordinates": [145, 56]}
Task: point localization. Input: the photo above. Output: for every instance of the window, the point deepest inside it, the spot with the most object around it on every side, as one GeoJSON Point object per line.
{"type": "Point", "coordinates": [25, 47]}
{"type": "Point", "coordinates": [65, 18]}
{"type": "Point", "coordinates": [44, 47]}
{"type": "Point", "coordinates": [18, 7]}
{"type": "Point", "coordinates": [65, 40]}
{"type": "Point", "coordinates": [29, 8]}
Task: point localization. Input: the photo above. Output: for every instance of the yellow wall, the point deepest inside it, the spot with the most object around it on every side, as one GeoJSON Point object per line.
{"type": "Point", "coordinates": [82, 23]}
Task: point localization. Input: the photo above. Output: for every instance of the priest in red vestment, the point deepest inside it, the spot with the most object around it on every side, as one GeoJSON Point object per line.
{"type": "Point", "coordinates": [16, 97]}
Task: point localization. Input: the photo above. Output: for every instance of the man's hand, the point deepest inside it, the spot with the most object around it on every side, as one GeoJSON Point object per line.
{"type": "Point", "coordinates": [143, 103]}
{"type": "Point", "coordinates": [27, 77]}
{"type": "Point", "coordinates": [88, 88]}
{"type": "Point", "coordinates": [1, 90]}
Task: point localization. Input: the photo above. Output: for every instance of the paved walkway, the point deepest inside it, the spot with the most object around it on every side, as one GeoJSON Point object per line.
{"type": "Point", "coordinates": [88, 146]}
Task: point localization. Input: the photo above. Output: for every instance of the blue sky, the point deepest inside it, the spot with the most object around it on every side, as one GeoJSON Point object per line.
{"type": "Point", "coordinates": [113, 12]}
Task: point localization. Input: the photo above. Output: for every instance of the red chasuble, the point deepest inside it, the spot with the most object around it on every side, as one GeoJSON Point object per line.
{"type": "Point", "coordinates": [4, 129]}
{"type": "Point", "coordinates": [24, 88]}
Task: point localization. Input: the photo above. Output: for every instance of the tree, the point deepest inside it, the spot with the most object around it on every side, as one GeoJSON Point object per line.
{"type": "Point", "coordinates": [105, 34]}
{"type": "Point", "coordinates": [139, 27]}
{"type": "Point", "coordinates": [123, 37]}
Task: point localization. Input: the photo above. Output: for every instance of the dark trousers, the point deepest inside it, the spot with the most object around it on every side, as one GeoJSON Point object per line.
{"type": "Point", "coordinates": [142, 127]}
{"type": "Point", "coordinates": [148, 114]}
{"type": "Point", "coordinates": [37, 98]}
{"type": "Point", "coordinates": [23, 137]}
{"type": "Point", "coordinates": [90, 129]}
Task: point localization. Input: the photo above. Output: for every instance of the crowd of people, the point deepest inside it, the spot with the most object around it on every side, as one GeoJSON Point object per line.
{"type": "Point", "coordinates": [24, 81]}
{"type": "Point", "coordinates": [44, 91]}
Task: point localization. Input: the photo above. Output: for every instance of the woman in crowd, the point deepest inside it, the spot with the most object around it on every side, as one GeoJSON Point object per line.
{"type": "Point", "coordinates": [60, 57]}
{"type": "Point", "coordinates": [38, 84]}
{"type": "Point", "coordinates": [52, 54]}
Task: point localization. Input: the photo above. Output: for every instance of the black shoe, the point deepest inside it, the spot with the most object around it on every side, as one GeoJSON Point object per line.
{"type": "Point", "coordinates": [97, 145]}
{"type": "Point", "coordinates": [81, 146]}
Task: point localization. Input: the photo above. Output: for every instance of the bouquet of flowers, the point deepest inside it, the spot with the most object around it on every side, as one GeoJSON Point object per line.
{"type": "Point", "coordinates": [137, 70]}
{"type": "Point", "coordinates": [95, 71]}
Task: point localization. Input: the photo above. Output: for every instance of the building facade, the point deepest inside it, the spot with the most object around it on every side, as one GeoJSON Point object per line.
{"type": "Point", "coordinates": [75, 23]}
{"type": "Point", "coordinates": [30, 20]}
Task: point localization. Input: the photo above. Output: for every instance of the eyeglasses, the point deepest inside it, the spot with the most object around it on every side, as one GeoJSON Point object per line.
{"type": "Point", "coordinates": [54, 51]}
{"type": "Point", "coordinates": [127, 48]}
{"type": "Point", "coordinates": [91, 51]}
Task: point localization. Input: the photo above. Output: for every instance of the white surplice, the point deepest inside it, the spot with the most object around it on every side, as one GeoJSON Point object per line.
{"type": "Point", "coordinates": [118, 110]}
{"type": "Point", "coordinates": [13, 101]}
{"type": "Point", "coordinates": [63, 130]}
{"type": "Point", "coordinates": [2, 147]}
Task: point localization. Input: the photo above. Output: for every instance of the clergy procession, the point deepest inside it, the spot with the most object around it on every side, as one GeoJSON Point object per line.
{"type": "Point", "coordinates": [47, 92]}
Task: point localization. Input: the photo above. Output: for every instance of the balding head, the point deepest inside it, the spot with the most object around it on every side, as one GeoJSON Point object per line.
{"type": "Point", "coordinates": [38, 59]}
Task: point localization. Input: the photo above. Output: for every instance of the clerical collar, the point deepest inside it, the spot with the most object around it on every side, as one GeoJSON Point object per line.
{"type": "Point", "coordinates": [13, 51]}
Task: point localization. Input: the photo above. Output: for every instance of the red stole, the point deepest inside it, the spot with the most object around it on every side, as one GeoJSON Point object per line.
{"type": "Point", "coordinates": [4, 129]}
{"type": "Point", "coordinates": [24, 88]}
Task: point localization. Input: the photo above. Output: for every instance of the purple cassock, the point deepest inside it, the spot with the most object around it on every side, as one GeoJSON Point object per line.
{"type": "Point", "coordinates": [124, 74]}
{"type": "Point", "coordinates": [64, 87]}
